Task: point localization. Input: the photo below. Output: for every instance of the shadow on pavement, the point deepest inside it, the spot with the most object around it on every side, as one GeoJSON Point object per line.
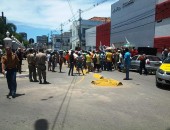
{"type": "Point", "coordinates": [41, 124]}
{"type": "Point", "coordinates": [47, 98]}
{"type": "Point", "coordinates": [16, 95]}
{"type": "Point", "coordinates": [61, 72]}
{"type": "Point", "coordinates": [164, 87]}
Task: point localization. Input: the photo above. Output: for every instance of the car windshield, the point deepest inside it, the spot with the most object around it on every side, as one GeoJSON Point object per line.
{"type": "Point", "coordinates": [153, 58]}
{"type": "Point", "coordinates": [167, 60]}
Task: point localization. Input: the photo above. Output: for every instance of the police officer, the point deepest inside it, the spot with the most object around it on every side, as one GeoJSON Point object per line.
{"type": "Point", "coordinates": [71, 60]}
{"type": "Point", "coordinates": [32, 66]}
{"type": "Point", "coordinates": [10, 62]}
{"type": "Point", "coordinates": [20, 57]}
{"type": "Point", "coordinates": [41, 67]}
{"type": "Point", "coordinates": [61, 60]}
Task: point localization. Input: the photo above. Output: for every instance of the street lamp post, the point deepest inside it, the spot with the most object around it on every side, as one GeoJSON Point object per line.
{"type": "Point", "coordinates": [8, 40]}
{"type": "Point", "coordinates": [13, 42]}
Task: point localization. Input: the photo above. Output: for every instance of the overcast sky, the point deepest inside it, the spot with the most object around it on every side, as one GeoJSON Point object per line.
{"type": "Point", "coordinates": [38, 17]}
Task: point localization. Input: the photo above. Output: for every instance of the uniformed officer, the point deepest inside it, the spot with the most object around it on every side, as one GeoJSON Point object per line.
{"type": "Point", "coordinates": [41, 67]}
{"type": "Point", "coordinates": [19, 53]}
{"type": "Point", "coordinates": [61, 60]}
{"type": "Point", "coordinates": [32, 66]}
{"type": "Point", "coordinates": [10, 62]}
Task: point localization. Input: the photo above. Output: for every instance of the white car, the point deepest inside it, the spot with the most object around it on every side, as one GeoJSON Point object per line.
{"type": "Point", "coordinates": [163, 73]}
{"type": "Point", "coordinates": [153, 63]}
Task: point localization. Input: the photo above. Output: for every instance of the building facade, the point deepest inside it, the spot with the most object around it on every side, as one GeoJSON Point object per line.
{"type": "Point", "coordinates": [98, 36]}
{"type": "Point", "coordinates": [42, 42]}
{"type": "Point", "coordinates": [42, 39]}
{"type": "Point", "coordinates": [141, 23]}
{"type": "Point", "coordinates": [78, 29]}
{"type": "Point", "coordinates": [24, 35]}
{"type": "Point", "coordinates": [61, 41]}
{"type": "Point", "coordinates": [162, 26]}
{"type": "Point", "coordinates": [90, 38]}
{"type": "Point", "coordinates": [133, 21]}
{"type": "Point", "coordinates": [103, 35]}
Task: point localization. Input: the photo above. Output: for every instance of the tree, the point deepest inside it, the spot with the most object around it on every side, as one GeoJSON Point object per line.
{"type": "Point", "coordinates": [26, 43]}
{"type": "Point", "coordinates": [18, 36]}
{"type": "Point", "coordinates": [6, 27]}
{"type": "Point", "coordinates": [11, 28]}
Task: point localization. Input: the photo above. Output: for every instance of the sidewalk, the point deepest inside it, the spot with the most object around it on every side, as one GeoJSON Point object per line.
{"type": "Point", "coordinates": [24, 70]}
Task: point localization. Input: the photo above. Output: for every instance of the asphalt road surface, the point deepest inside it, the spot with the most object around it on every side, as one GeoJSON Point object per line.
{"type": "Point", "coordinates": [73, 103]}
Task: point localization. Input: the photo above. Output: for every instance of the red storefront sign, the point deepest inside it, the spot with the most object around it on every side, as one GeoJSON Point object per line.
{"type": "Point", "coordinates": [162, 42]}
{"type": "Point", "coordinates": [162, 10]}
{"type": "Point", "coordinates": [103, 35]}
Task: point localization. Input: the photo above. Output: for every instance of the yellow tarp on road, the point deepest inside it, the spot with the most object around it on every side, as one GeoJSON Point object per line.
{"type": "Point", "coordinates": [101, 81]}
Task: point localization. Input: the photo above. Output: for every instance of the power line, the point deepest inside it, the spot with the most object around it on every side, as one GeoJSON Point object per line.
{"type": "Point", "coordinates": [97, 4]}
{"type": "Point", "coordinates": [83, 11]}
{"type": "Point", "coordinates": [69, 3]}
{"type": "Point", "coordinates": [137, 16]}
{"type": "Point", "coordinates": [136, 20]}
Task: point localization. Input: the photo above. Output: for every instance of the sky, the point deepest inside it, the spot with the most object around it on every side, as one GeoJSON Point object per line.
{"type": "Point", "coordinates": [43, 17]}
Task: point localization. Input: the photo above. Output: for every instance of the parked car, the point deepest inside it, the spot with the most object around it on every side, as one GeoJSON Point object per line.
{"type": "Point", "coordinates": [163, 73]}
{"type": "Point", "coordinates": [153, 63]}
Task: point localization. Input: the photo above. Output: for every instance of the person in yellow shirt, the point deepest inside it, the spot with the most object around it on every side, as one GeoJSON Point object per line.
{"type": "Point", "coordinates": [88, 62]}
{"type": "Point", "coordinates": [97, 62]}
{"type": "Point", "coordinates": [109, 60]}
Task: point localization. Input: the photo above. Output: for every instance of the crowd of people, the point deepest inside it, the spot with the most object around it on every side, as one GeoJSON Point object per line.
{"type": "Point", "coordinates": [91, 61]}
{"type": "Point", "coordinates": [78, 61]}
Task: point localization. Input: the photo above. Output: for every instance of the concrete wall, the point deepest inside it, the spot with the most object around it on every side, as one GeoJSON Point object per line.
{"type": "Point", "coordinates": [163, 28]}
{"type": "Point", "coordinates": [160, 1]}
{"type": "Point", "coordinates": [90, 38]}
{"type": "Point", "coordinates": [133, 20]}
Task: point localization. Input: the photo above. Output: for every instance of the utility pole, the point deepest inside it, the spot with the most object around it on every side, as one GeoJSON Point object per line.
{"type": "Point", "coordinates": [80, 37]}
{"type": "Point", "coordinates": [61, 36]}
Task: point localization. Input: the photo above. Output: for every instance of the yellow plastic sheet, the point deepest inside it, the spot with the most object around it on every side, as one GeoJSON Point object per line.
{"type": "Point", "coordinates": [105, 82]}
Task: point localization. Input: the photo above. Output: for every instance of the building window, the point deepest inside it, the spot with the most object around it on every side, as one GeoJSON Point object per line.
{"type": "Point", "coordinates": [58, 40]}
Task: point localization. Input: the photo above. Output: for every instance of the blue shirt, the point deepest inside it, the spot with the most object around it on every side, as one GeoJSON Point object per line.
{"type": "Point", "coordinates": [127, 58]}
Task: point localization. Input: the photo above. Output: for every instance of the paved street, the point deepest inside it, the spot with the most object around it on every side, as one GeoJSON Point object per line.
{"type": "Point", "coordinates": [73, 103]}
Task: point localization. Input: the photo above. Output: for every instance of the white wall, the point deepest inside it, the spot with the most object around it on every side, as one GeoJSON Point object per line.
{"type": "Point", "coordinates": [90, 38]}
{"type": "Point", "coordinates": [85, 24]}
{"type": "Point", "coordinates": [160, 1]}
{"type": "Point", "coordinates": [163, 28]}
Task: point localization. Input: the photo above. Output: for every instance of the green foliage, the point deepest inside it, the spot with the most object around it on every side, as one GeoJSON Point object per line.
{"type": "Point", "coordinates": [12, 30]}
{"type": "Point", "coordinates": [18, 36]}
{"type": "Point", "coordinates": [26, 43]}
